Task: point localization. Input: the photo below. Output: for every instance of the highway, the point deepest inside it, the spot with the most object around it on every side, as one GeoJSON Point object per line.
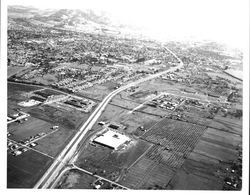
{"type": "Point", "coordinates": [50, 176]}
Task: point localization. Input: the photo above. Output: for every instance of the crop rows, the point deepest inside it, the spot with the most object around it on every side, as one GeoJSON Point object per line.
{"type": "Point", "coordinates": [147, 171]}
{"type": "Point", "coordinates": [138, 172]}
{"type": "Point", "coordinates": [177, 141]}
{"type": "Point", "coordinates": [174, 140]}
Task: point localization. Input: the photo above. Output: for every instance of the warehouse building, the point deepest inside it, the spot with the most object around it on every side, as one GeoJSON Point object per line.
{"type": "Point", "coordinates": [112, 139]}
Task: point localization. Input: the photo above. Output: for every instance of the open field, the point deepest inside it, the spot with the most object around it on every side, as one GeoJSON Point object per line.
{"type": "Point", "coordinates": [25, 170]}
{"type": "Point", "coordinates": [54, 115]}
{"type": "Point", "coordinates": [75, 179]}
{"type": "Point", "coordinates": [54, 143]}
{"type": "Point", "coordinates": [45, 79]}
{"type": "Point", "coordinates": [31, 127]}
{"type": "Point", "coordinates": [189, 180]}
{"type": "Point", "coordinates": [11, 70]}
{"type": "Point", "coordinates": [98, 92]}
{"type": "Point", "coordinates": [227, 124]}
{"type": "Point", "coordinates": [15, 91]}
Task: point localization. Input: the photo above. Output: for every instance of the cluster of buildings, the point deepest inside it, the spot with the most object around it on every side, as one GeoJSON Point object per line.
{"type": "Point", "coordinates": [76, 79]}
{"type": "Point", "coordinates": [17, 117]}
{"type": "Point", "coordinates": [111, 136]}
{"type": "Point", "coordinates": [199, 81]}
{"type": "Point", "coordinates": [36, 49]}
{"type": "Point", "coordinates": [46, 49]}
{"type": "Point", "coordinates": [44, 97]}
{"type": "Point", "coordinates": [17, 148]}
{"type": "Point", "coordinates": [233, 173]}
{"type": "Point", "coordinates": [194, 102]}
{"type": "Point", "coordinates": [41, 97]}
{"type": "Point", "coordinates": [81, 104]}
{"type": "Point", "coordinates": [165, 101]}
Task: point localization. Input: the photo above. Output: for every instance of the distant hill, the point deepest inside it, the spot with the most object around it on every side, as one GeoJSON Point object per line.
{"type": "Point", "coordinates": [82, 20]}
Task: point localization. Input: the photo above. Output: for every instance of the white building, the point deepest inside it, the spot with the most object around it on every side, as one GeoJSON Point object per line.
{"type": "Point", "coordinates": [111, 139]}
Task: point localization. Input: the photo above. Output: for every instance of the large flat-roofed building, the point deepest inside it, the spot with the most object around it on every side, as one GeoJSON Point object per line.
{"type": "Point", "coordinates": [111, 139]}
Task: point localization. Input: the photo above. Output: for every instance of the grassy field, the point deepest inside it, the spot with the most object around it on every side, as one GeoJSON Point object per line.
{"type": "Point", "coordinates": [28, 128]}
{"type": "Point", "coordinates": [54, 143]}
{"type": "Point", "coordinates": [25, 170]}
{"type": "Point", "coordinates": [11, 70]}
{"type": "Point", "coordinates": [98, 92]}
{"type": "Point", "coordinates": [75, 179]}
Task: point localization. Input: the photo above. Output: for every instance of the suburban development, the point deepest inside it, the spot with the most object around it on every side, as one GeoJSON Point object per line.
{"type": "Point", "coordinates": [91, 107]}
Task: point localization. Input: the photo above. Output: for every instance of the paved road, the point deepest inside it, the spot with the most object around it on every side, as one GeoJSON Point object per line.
{"type": "Point", "coordinates": [68, 152]}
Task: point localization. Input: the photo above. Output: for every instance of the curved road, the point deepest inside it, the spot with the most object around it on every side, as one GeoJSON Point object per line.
{"type": "Point", "coordinates": [46, 181]}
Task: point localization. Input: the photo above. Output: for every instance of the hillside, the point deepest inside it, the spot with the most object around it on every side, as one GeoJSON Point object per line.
{"type": "Point", "coordinates": [78, 20]}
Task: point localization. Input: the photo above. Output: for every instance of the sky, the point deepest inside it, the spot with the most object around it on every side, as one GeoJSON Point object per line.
{"type": "Point", "coordinates": [219, 20]}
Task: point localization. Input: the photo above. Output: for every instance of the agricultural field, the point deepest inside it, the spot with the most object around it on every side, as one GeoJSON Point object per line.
{"type": "Point", "coordinates": [147, 174]}
{"type": "Point", "coordinates": [181, 153]}
{"type": "Point", "coordinates": [215, 160]}
{"type": "Point", "coordinates": [24, 171]}
{"type": "Point", "coordinates": [227, 124]}
{"type": "Point", "coordinates": [172, 143]}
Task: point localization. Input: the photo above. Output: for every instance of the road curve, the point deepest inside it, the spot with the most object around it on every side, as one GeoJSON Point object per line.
{"type": "Point", "coordinates": [46, 181]}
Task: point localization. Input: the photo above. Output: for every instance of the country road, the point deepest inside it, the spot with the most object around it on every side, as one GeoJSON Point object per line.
{"type": "Point", "coordinates": [50, 176]}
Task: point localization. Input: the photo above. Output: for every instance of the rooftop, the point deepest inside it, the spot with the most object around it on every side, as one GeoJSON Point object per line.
{"type": "Point", "coordinates": [111, 139]}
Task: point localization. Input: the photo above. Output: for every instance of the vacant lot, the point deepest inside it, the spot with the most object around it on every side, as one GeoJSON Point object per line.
{"type": "Point", "coordinates": [98, 92]}
{"type": "Point", "coordinates": [75, 179]}
{"type": "Point", "coordinates": [55, 142]}
{"type": "Point", "coordinates": [11, 70]}
{"type": "Point", "coordinates": [31, 127]}
{"type": "Point", "coordinates": [25, 170]}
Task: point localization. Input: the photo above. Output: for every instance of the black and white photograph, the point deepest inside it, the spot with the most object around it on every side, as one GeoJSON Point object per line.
{"type": "Point", "coordinates": [122, 95]}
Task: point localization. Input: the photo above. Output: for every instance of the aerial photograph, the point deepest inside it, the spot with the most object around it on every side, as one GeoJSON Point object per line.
{"type": "Point", "coordinates": [125, 95]}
